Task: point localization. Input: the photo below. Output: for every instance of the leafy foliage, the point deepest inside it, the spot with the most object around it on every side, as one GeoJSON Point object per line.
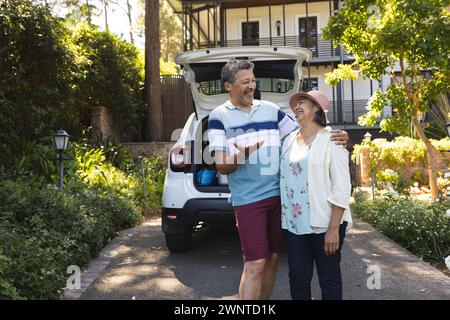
{"type": "Point", "coordinates": [170, 31]}
{"type": "Point", "coordinates": [112, 75]}
{"type": "Point", "coordinates": [383, 35]}
{"type": "Point", "coordinates": [43, 231]}
{"type": "Point", "coordinates": [406, 39]}
{"type": "Point", "coordinates": [36, 73]}
{"type": "Point", "coordinates": [52, 72]}
{"type": "Point", "coordinates": [169, 67]}
{"type": "Point", "coordinates": [423, 228]}
{"type": "Point", "coordinates": [390, 159]}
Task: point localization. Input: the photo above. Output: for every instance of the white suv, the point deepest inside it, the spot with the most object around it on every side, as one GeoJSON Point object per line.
{"type": "Point", "coordinates": [194, 195]}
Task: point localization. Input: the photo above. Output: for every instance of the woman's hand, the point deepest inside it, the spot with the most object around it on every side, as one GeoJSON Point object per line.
{"type": "Point", "coordinates": [331, 241]}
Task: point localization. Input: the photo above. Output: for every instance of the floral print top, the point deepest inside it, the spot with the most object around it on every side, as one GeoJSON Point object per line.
{"type": "Point", "coordinates": [294, 191]}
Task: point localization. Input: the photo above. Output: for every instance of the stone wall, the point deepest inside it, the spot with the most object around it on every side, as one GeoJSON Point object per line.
{"type": "Point", "coordinates": [149, 149]}
{"type": "Point", "coordinates": [103, 124]}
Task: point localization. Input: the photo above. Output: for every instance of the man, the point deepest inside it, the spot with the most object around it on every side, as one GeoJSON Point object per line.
{"type": "Point", "coordinates": [237, 129]}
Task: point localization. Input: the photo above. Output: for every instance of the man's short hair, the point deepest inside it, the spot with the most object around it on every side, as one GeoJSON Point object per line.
{"type": "Point", "coordinates": [232, 67]}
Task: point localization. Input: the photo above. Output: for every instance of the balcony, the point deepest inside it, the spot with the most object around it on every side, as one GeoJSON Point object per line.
{"type": "Point", "coordinates": [351, 111]}
{"type": "Point", "coordinates": [323, 51]}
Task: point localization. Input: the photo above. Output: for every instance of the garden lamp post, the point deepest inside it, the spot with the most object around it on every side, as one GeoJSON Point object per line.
{"type": "Point", "coordinates": [61, 141]}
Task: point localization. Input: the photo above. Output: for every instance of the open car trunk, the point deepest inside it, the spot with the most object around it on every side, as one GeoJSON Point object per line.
{"type": "Point", "coordinates": [278, 72]}
{"type": "Point", "coordinates": [204, 167]}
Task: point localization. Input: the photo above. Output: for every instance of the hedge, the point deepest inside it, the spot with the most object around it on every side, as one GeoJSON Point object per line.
{"type": "Point", "coordinates": [43, 231]}
{"type": "Point", "coordinates": [421, 227]}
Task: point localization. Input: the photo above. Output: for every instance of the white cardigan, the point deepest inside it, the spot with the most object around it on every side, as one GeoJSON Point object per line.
{"type": "Point", "coordinates": [328, 178]}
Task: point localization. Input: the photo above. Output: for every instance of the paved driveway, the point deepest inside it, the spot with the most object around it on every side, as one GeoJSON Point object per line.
{"type": "Point", "coordinates": [138, 265]}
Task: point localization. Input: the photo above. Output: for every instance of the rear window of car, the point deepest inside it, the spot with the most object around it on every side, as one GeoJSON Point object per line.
{"type": "Point", "coordinates": [271, 76]}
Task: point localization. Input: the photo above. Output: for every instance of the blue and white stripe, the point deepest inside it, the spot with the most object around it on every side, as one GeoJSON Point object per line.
{"type": "Point", "coordinates": [229, 125]}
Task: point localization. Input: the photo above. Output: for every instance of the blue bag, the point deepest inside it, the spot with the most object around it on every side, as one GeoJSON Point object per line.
{"type": "Point", "coordinates": [205, 177]}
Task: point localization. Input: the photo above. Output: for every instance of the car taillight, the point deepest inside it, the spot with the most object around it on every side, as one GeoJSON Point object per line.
{"type": "Point", "coordinates": [179, 159]}
{"type": "Point", "coordinates": [171, 216]}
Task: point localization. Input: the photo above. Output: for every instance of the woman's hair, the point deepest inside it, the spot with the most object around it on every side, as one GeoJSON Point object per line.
{"type": "Point", "coordinates": [320, 117]}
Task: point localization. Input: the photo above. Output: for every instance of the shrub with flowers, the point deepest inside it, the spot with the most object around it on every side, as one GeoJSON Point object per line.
{"type": "Point", "coordinates": [401, 163]}
{"type": "Point", "coordinates": [421, 227]}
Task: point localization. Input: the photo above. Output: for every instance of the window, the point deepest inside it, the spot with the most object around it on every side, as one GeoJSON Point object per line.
{"type": "Point", "coordinates": [310, 84]}
{"type": "Point", "coordinates": [280, 85]}
{"type": "Point", "coordinates": [307, 30]}
{"type": "Point", "coordinates": [250, 33]}
{"type": "Point", "coordinates": [212, 87]}
{"type": "Point", "coordinates": [271, 76]}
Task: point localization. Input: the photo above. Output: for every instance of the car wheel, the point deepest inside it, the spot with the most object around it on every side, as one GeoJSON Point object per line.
{"type": "Point", "coordinates": [179, 242]}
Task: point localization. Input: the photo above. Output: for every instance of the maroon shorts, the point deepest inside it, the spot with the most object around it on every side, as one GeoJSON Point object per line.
{"type": "Point", "coordinates": [259, 225]}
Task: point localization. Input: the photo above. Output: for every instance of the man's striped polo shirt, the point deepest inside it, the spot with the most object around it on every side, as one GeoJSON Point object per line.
{"type": "Point", "coordinates": [258, 178]}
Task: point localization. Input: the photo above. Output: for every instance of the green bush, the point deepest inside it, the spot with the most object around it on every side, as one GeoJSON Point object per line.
{"type": "Point", "coordinates": [112, 76]}
{"type": "Point", "coordinates": [104, 165]}
{"type": "Point", "coordinates": [149, 194]}
{"type": "Point", "coordinates": [91, 167]}
{"type": "Point", "coordinates": [53, 72]}
{"type": "Point", "coordinates": [43, 231]}
{"type": "Point", "coordinates": [388, 160]}
{"type": "Point", "coordinates": [37, 72]}
{"type": "Point", "coordinates": [421, 227]}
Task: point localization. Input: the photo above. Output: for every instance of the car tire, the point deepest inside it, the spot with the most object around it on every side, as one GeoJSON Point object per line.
{"type": "Point", "coordinates": [179, 242]}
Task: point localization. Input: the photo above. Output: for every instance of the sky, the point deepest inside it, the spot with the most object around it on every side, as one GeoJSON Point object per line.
{"type": "Point", "coordinates": [117, 20]}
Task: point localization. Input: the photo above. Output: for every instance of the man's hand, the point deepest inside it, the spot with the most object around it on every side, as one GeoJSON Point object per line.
{"type": "Point", "coordinates": [248, 150]}
{"type": "Point", "coordinates": [227, 163]}
{"type": "Point", "coordinates": [340, 137]}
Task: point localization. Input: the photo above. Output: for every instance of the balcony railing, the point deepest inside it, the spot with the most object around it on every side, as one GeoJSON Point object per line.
{"type": "Point", "coordinates": [323, 48]}
{"type": "Point", "coordinates": [351, 110]}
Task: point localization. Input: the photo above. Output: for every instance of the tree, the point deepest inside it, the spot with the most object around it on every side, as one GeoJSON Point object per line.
{"type": "Point", "coordinates": [130, 20]}
{"type": "Point", "coordinates": [169, 30]}
{"type": "Point", "coordinates": [77, 9]}
{"type": "Point", "coordinates": [410, 41]}
{"type": "Point", "coordinates": [152, 79]}
{"type": "Point", "coordinates": [106, 4]}
{"type": "Point", "coordinates": [36, 71]}
{"type": "Point", "coordinates": [112, 75]}
{"type": "Point", "coordinates": [168, 68]}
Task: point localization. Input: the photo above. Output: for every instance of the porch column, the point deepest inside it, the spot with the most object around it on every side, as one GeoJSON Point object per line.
{"type": "Point", "coordinates": [222, 27]}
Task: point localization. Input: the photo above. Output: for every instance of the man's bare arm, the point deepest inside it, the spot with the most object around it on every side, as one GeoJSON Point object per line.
{"type": "Point", "coordinates": [226, 163]}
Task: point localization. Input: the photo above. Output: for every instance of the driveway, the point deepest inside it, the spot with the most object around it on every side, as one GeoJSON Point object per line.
{"type": "Point", "coordinates": [137, 265]}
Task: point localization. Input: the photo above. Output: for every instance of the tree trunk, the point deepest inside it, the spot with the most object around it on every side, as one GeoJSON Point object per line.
{"type": "Point", "coordinates": [166, 51]}
{"type": "Point", "coordinates": [431, 159]}
{"type": "Point", "coordinates": [154, 123]}
{"type": "Point", "coordinates": [130, 21]}
{"type": "Point", "coordinates": [105, 4]}
{"type": "Point", "coordinates": [88, 8]}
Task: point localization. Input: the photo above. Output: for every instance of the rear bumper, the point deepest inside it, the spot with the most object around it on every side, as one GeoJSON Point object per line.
{"type": "Point", "coordinates": [210, 210]}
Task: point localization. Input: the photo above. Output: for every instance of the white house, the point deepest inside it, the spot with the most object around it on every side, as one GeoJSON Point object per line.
{"type": "Point", "coordinates": [208, 24]}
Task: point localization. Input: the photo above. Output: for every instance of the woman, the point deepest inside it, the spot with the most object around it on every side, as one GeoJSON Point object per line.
{"type": "Point", "coordinates": [315, 195]}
